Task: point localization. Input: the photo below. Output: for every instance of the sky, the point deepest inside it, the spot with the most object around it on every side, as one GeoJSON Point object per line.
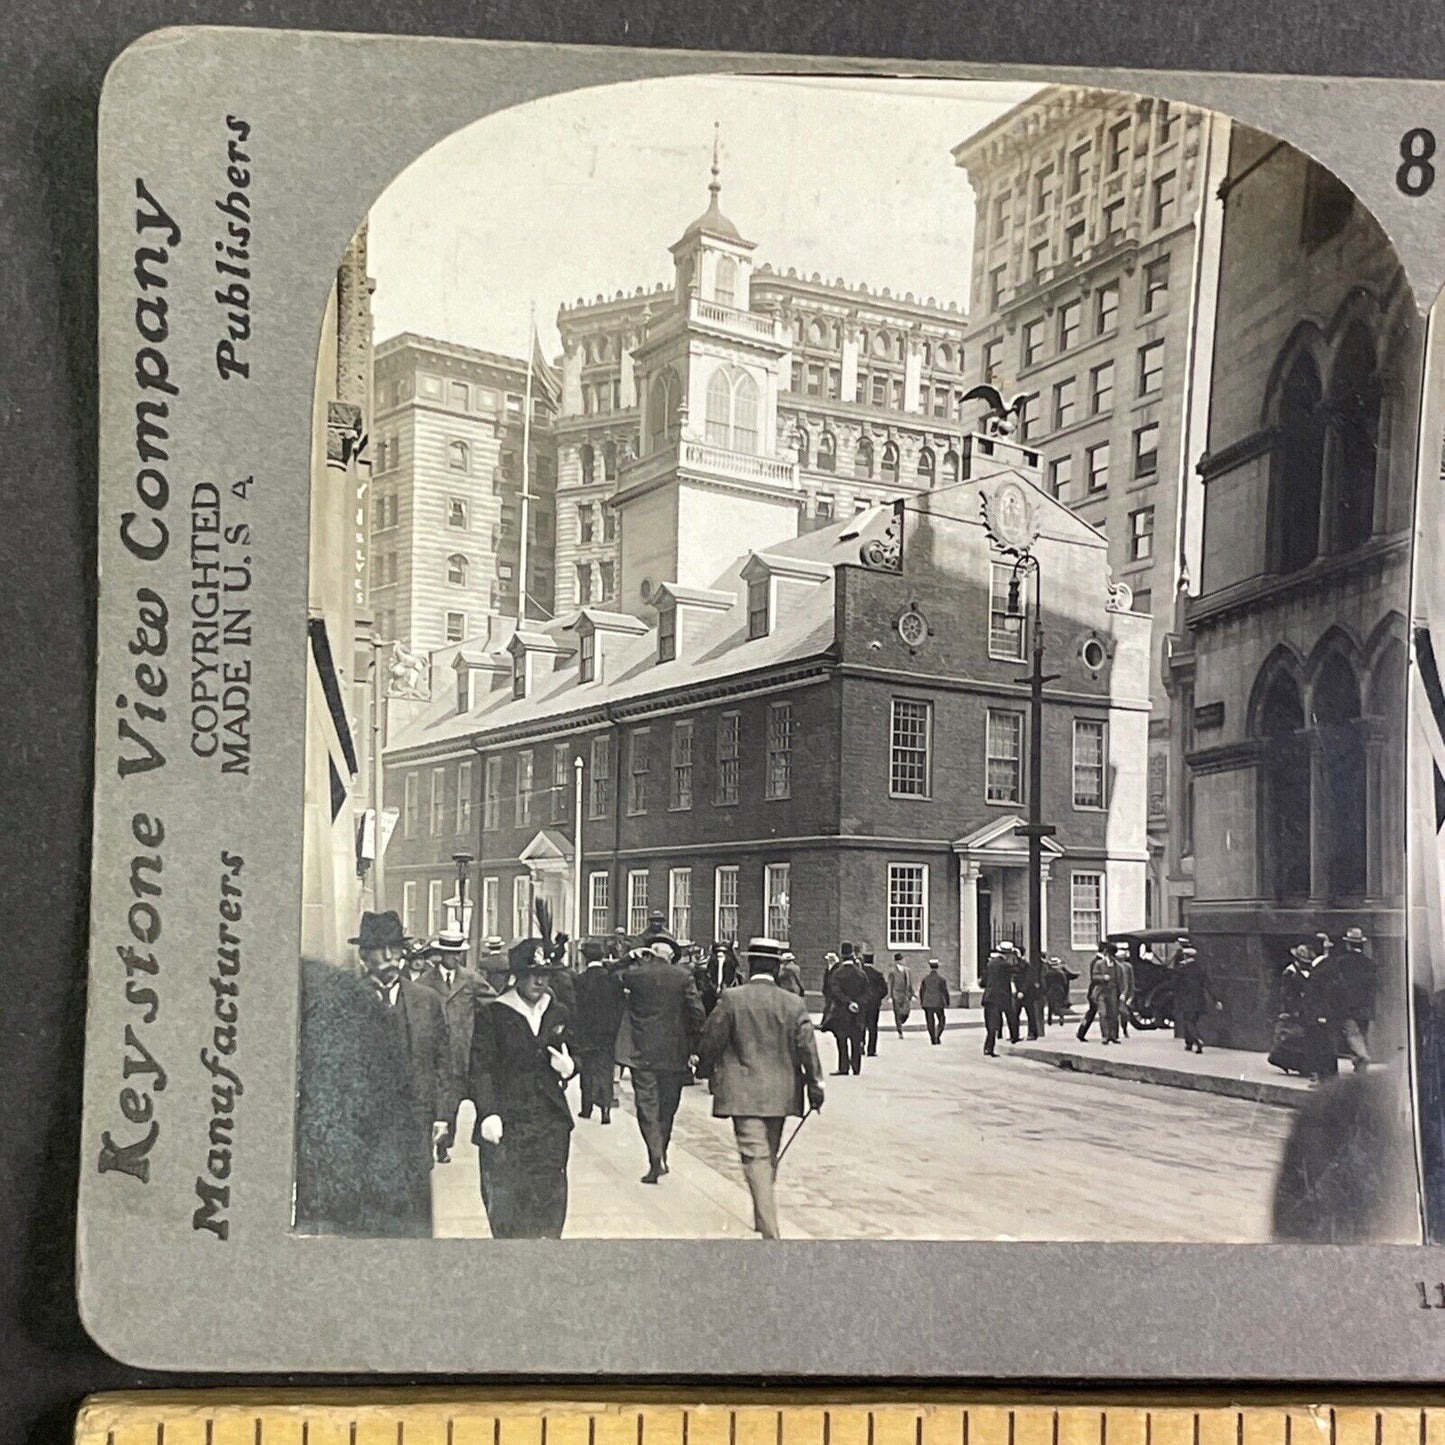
{"type": "Point", "coordinates": [583, 193]}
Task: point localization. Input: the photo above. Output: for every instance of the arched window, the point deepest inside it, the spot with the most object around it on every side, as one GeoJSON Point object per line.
{"type": "Point", "coordinates": [827, 452]}
{"type": "Point", "coordinates": [1299, 468]}
{"type": "Point", "coordinates": [817, 333]}
{"type": "Point", "coordinates": [926, 466]}
{"type": "Point", "coordinates": [609, 461]}
{"type": "Point", "coordinates": [725, 281]}
{"type": "Point", "coordinates": [803, 448]}
{"type": "Point", "coordinates": [457, 570]}
{"type": "Point", "coordinates": [1283, 788]}
{"type": "Point", "coordinates": [589, 464]}
{"type": "Point", "coordinates": [863, 458]}
{"type": "Point", "coordinates": [732, 410]}
{"type": "Point", "coordinates": [943, 357]}
{"type": "Point", "coordinates": [950, 465]}
{"type": "Point", "coordinates": [882, 344]}
{"type": "Point", "coordinates": [662, 410]}
{"type": "Point", "coordinates": [1387, 713]}
{"type": "Point", "coordinates": [459, 456]}
{"type": "Point", "coordinates": [1355, 405]}
{"type": "Point", "coordinates": [1335, 715]}
{"type": "Point", "coordinates": [890, 461]}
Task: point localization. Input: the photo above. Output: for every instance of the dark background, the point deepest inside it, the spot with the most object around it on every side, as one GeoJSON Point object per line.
{"type": "Point", "coordinates": [53, 58]}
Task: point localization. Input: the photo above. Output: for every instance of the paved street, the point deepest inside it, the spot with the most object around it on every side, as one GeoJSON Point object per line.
{"type": "Point", "coordinates": [938, 1143]}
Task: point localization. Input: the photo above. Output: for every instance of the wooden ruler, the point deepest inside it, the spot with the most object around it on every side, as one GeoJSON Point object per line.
{"type": "Point", "coordinates": [791, 1417]}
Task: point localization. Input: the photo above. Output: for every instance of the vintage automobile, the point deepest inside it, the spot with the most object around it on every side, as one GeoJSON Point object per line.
{"type": "Point", "coordinates": [1153, 952]}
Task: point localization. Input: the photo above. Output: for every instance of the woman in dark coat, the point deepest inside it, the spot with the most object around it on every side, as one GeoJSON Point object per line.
{"type": "Point", "coordinates": [521, 1063]}
{"type": "Point", "coordinates": [1194, 996]}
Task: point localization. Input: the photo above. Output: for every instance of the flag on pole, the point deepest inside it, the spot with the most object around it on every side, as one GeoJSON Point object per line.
{"type": "Point", "coordinates": [544, 378]}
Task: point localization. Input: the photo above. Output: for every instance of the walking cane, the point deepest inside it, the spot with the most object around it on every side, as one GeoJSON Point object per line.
{"type": "Point", "coordinates": [808, 1114]}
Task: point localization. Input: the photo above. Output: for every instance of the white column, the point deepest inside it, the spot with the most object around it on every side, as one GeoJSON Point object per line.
{"type": "Point", "coordinates": [1044, 908]}
{"type": "Point", "coordinates": [967, 924]}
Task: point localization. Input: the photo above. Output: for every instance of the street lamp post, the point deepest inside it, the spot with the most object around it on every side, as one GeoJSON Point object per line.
{"type": "Point", "coordinates": [1035, 830]}
{"type": "Point", "coordinates": [463, 862]}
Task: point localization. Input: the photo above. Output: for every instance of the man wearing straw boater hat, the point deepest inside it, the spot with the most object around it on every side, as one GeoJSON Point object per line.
{"type": "Point", "coordinates": [1353, 986]}
{"type": "Point", "coordinates": [759, 1054]}
{"type": "Point", "coordinates": [520, 1066]}
{"type": "Point", "coordinates": [462, 991]}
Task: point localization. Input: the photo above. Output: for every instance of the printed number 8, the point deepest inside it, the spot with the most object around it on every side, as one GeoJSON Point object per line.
{"type": "Point", "coordinates": [1416, 175]}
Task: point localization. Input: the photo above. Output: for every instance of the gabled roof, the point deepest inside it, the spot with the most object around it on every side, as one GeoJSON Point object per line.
{"type": "Point", "coordinates": [1000, 839]}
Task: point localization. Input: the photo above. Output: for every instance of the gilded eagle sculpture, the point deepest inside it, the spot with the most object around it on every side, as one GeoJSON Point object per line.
{"type": "Point", "coordinates": [1003, 415]}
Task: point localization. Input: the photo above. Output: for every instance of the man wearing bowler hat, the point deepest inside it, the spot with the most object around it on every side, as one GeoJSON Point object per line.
{"type": "Point", "coordinates": [759, 1054]}
{"type": "Point", "coordinates": [462, 991]}
{"type": "Point", "coordinates": [1353, 988]}
{"type": "Point", "coordinates": [416, 1021]}
{"type": "Point", "coordinates": [520, 1065]}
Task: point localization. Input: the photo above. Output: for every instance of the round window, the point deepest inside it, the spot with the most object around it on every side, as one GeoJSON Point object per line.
{"type": "Point", "coordinates": [1093, 654]}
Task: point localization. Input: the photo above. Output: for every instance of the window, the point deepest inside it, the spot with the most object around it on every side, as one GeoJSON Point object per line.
{"type": "Point", "coordinates": [890, 462]}
{"type": "Point", "coordinates": [1086, 910]}
{"type": "Point", "coordinates": [456, 626]}
{"type": "Point", "coordinates": [584, 583]}
{"type": "Point", "coordinates": [780, 750]}
{"type": "Point", "coordinates": [519, 674]}
{"type": "Point", "coordinates": [411, 807]}
{"type": "Point", "coordinates": [1166, 199]}
{"type": "Point", "coordinates": [1146, 450]}
{"type": "Point", "coordinates": [1098, 467]}
{"type": "Point", "coordinates": [464, 797]}
{"type": "Point", "coordinates": [457, 570]}
{"type": "Point", "coordinates": [1116, 145]}
{"type": "Point", "coordinates": [1101, 389]}
{"type": "Point", "coordinates": [524, 787]}
{"type": "Point", "coordinates": [490, 891]}
{"type": "Point", "coordinates": [1004, 753]}
{"type": "Point", "coordinates": [459, 457]}
{"type": "Point", "coordinates": [681, 794]}
{"type": "Point", "coordinates": [1167, 122]}
{"type": "Point", "coordinates": [1151, 367]}
{"type": "Point", "coordinates": [1079, 159]}
{"type": "Point", "coordinates": [1033, 337]}
{"type": "Point", "coordinates": [434, 905]}
{"type": "Point", "coordinates": [725, 905]}
{"type": "Point", "coordinates": [1005, 632]}
{"type": "Point", "coordinates": [725, 281]}
{"type": "Point", "coordinates": [926, 465]}
{"type": "Point", "coordinates": [679, 902]}
{"type": "Point", "coordinates": [1088, 763]}
{"type": "Point", "coordinates": [863, 458]}
{"type": "Point", "coordinates": [606, 572]}
{"type": "Point", "coordinates": [521, 906]}
{"type": "Point", "coordinates": [729, 754]}
{"type": "Point", "coordinates": [1156, 285]}
{"type": "Point", "coordinates": [827, 452]}
{"type": "Point", "coordinates": [637, 901]}
{"type": "Point", "coordinates": [823, 508]}
{"type": "Point", "coordinates": [1029, 417]}
{"type": "Point", "coordinates": [457, 513]}
{"type": "Point", "coordinates": [732, 410]}
{"type": "Point", "coordinates": [950, 466]}
{"type": "Point", "coordinates": [561, 781]}
{"type": "Point", "coordinates": [1070, 321]}
{"type": "Point", "coordinates": [586, 522]}
{"type": "Point", "coordinates": [1065, 406]}
{"type": "Point", "coordinates": [599, 903]}
{"type": "Point", "coordinates": [1141, 534]}
{"type": "Point", "coordinates": [492, 794]}
{"type": "Point", "coordinates": [910, 743]}
{"type": "Point", "coordinates": [408, 906]}
{"type": "Point", "coordinates": [775, 901]}
{"type": "Point", "coordinates": [907, 905]}
{"type": "Point", "coordinates": [1114, 218]}
{"type": "Point", "coordinates": [758, 609]}
{"type": "Point", "coordinates": [1001, 214]}
{"type": "Point", "coordinates": [992, 352]}
{"type": "Point", "coordinates": [804, 451]}
{"type": "Point", "coordinates": [639, 761]}
{"type": "Point", "coordinates": [609, 461]}
{"type": "Point", "coordinates": [1043, 189]}
{"type": "Point", "coordinates": [1061, 475]}
{"type": "Point", "coordinates": [814, 383]}
{"type": "Point", "coordinates": [589, 464]}
{"type": "Point", "coordinates": [1038, 259]}
{"type": "Point", "coordinates": [1074, 242]}
{"type": "Point", "coordinates": [600, 795]}
{"type": "Point", "coordinates": [586, 655]}
{"type": "Point", "coordinates": [667, 634]}
{"type": "Point", "coordinates": [878, 392]}
{"type": "Point", "coordinates": [997, 286]}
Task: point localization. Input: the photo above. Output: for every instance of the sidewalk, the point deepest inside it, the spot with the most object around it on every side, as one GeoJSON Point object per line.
{"type": "Point", "coordinates": [1159, 1058]}
{"type": "Point", "coordinates": [605, 1195]}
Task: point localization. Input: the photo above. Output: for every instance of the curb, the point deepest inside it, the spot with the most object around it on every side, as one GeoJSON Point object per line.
{"type": "Point", "coordinates": [1257, 1091]}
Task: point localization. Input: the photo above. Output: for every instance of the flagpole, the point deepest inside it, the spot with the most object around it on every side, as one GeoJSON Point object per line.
{"type": "Point", "coordinates": [526, 471]}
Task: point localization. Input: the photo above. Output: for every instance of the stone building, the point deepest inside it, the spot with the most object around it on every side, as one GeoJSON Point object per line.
{"type": "Point", "coordinates": [1289, 685]}
{"type": "Point", "coordinates": [338, 716]}
{"type": "Point", "coordinates": [446, 507]}
{"type": "Point", "coordinates": [822, 739]}
{"type": "Point", "coordinates": [1095, 245]}
{"type": "Point", "coordinates": [861, 389]}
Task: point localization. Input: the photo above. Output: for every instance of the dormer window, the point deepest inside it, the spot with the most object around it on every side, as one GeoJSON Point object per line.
{"type": "Point", "coordinates": [519, 674]}
{"type": "Point", "coordinates": [759, 608]}
{"type": "Point", "coordinates": [667, 635]}
{"type": "Point", "coordinates": [587, 657]}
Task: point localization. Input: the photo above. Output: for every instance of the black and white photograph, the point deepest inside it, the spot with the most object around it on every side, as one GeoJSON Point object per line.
{"type": "Point", "coordinates": [857, 669]}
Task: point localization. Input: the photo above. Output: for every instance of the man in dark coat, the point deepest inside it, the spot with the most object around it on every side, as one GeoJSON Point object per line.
{"type": "Point", "coordinates": [1104, 985]}
{"type": "Point", "coordinates": [1057, 978]}
{"type": "Point", "coordinates": [790, 976]}
{"type": "Point", "coordinates": [600, 1004]}
{"type": "Point", "coordinates": [462, 991]}
{"type": "Point", "coordinates": [1352, 982]}
{"type": "Point", "coordinates": [1030, 984]}
{"type": "Point", "coordinates": [846, 991]}
{"type": "Point", "coordinates": [759, 1054]}
{"type": "Point", "coordinates": [933, 998]}
{"type": "Point", "coordinates": [1194, 996]}
{"type": "Point", "coordinates": [520, 1066]}
{"type": "Point", "coordinates": [717, 972]}
{"type": "Point", "coordinates": [416, 1020]}
{"type": "Point", "coordinates": [998, 991]}
{"type": "Point", "coordinates": [877, 992]}
{"type": "Point", "coordinates": [661, 1026]}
